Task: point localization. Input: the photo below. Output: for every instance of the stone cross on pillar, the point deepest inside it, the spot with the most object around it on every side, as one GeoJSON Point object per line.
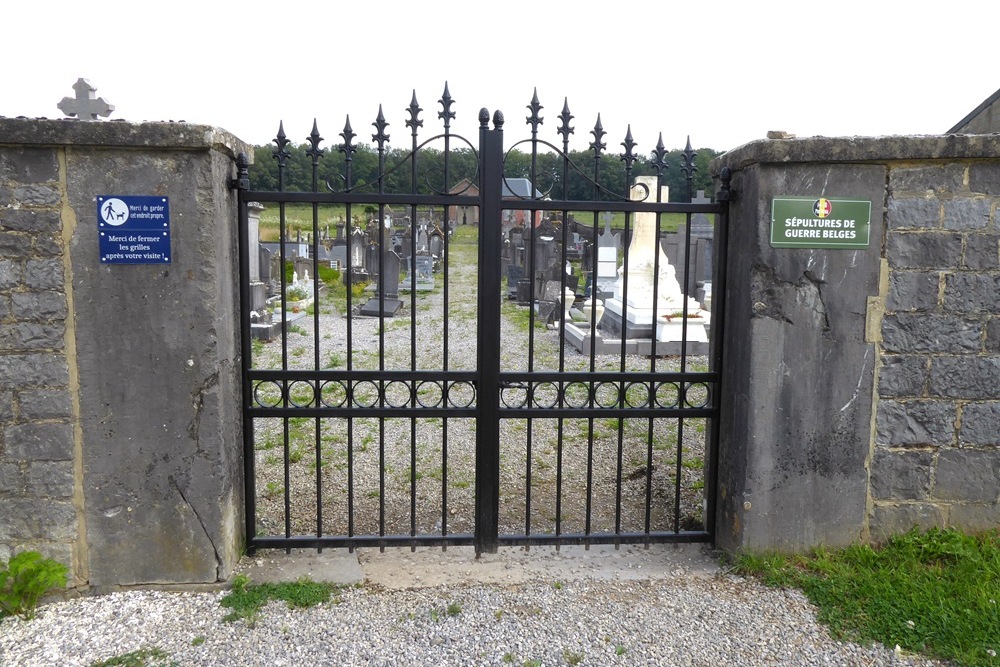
{"type": "Point", "coordinates": [85, 106]}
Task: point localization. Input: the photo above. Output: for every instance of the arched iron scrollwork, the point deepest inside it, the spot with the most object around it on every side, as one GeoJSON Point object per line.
{"type": "Point", "coordinates": [544, 181]}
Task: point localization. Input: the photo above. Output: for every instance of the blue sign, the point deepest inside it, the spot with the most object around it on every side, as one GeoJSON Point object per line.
{"type": "Point", "coordinates": [133, 230]}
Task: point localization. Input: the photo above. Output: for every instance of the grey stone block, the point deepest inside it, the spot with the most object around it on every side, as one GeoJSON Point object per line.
{"type": "Point", "coordinates": [924, 250]}
{"type": "Point", "coordinates": [972, 293]}
{"type": "Point", "coordinates": [993, 335]}
{"type": "Point", "coordinates": [968, 475]}
{"type": "Point", "coordinates": [984, 178]}
{"type": "Point", "coordinates": [44, 274]}
{"type": "Point", "coordinates": [50, 479]}
{"type": "Point", "coordinates": [15, 244]}
{"type": "Point", "coordinates": [28, 220]}
{"type": "Point", "coordinates": [33, 370]}
{"type": "Point", "coordinates": [36, 195]}
{"type": "Point", "coordinates": [966, 213]}
{"type": "Point", "coordinates": [981, 252]}
{"type": "Point", "coordinates": [937, 179]}
{"type": "Point", "coordinates": [901, 475]}
{"type": "Point", "coordinates": [965, 377]}
{"type": "Point", "coordinates": [912, 290]}
{"type": "Point", "coordinates": [915, 423]}
{"type": "Point", "coordinates": [13, 481]}
{"type": "Point", "coordinates": [980, 424]}
{"type": "Point", "coordinates": [32, 335]}
{"type": "Point", "coordinates": [918, 332]}
{"type": "Point", "coordinates": [6, 405]}
{"type": "Point", "coordinates": [11, 274]}
{"type": "Point", "coordinates": [36, 519]}
{"type": "Point", "coordinates": [901, 376]}
{"type": "Point", "coordinates": [914, 213]}
{"type": "Point", "coordinates": [29, 165]}
{"type": "Point", "coordinates": [974, 518]}
{"type": "Point", "coordinates": [39, 305]}
{"type": "Point", "coordinates": [889, 520]}
{"type": "Point", "coordinates": [47, 246]}
{"type": "Point", "coordinates": [45, 404]}
{"type": "Point", "coordinates": [39, 442]}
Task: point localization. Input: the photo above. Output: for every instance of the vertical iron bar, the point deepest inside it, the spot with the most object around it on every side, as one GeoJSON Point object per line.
{"type": "Point", "coordinates": [723, 198]}
{"type": "Point", "coordinates": [488, 339]}
{"type": "Point", "coordinates": [447, 115]}
{"type": "Point", "coordinates": [348, 150]}
{"type": "Point", "coordinates": [246, 352]}
{"type": "Point", "coordinates": [315, 152]}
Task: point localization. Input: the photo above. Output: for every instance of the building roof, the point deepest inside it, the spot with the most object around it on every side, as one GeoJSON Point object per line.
{"type": "Point", "coordinates": [962, 125]}
{"type": "Point", "coordinates": [519, 187]}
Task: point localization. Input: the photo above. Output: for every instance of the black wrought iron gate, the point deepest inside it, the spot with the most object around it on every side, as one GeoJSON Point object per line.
{"type": "Point", "coordinates": [415, 377]}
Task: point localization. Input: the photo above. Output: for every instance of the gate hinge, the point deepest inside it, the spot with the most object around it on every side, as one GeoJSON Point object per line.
{"type": "Point", "coordinates": [726, 192]}
{"type": "Point", "coordinates": [242, 180]}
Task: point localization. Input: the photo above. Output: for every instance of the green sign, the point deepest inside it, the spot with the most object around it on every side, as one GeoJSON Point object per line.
{"type": "Point", "coordinates": [818, 222]}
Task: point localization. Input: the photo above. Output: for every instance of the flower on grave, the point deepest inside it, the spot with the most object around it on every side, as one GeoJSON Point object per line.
{"type": "Point", "coordinates": [296, 293]}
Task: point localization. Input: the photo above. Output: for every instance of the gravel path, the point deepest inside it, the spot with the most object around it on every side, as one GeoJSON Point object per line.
{"type": "Point", "coordinates": [634, 607]}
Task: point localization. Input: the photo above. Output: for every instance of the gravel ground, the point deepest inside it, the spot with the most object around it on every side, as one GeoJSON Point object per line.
{"type": "Point", "coordinates": [631, 608]}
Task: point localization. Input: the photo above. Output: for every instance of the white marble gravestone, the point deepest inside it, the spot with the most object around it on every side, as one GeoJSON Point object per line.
{"type": "Point", "coordinates": [646, 257]}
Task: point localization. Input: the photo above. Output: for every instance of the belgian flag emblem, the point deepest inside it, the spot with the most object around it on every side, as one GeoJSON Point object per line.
{"type": "Point", "coordinates": [822, 208]}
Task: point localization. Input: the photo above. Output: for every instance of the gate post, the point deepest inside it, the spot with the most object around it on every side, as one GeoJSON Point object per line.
{"type": "Point", "coordinates": [488, 335]}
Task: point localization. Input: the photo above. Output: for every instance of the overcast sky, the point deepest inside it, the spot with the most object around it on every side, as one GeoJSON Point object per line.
{"type": "Point", "coordinates": [724, 72]}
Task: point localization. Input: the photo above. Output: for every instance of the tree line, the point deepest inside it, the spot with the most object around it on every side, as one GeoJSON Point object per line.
{"type": "Point", "coordinates": [552, 175]}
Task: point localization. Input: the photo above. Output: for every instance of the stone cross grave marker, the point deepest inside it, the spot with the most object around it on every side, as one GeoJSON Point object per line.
{"type": "Point", "coordinates": [85, 106]}
{"type": "Point", "coordinates": [701, 226]}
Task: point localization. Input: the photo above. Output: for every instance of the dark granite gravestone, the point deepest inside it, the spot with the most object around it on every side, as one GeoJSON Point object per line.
{"type": "Point", "coordinates": [386, 300]}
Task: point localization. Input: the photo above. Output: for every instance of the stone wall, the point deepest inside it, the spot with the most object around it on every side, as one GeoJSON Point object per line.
{"type": "Point", "coordinates": [39, 463]}
{"type": "Point", "coordinates": [862, 388]}
{"type": "Point", "coordinates": [937, 442]}
{"type": "Point", "coordinates": [120, 445]}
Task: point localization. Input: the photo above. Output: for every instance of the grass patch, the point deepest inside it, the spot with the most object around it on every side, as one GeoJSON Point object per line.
{"type": "Point", "coordinates": [146, 657]}
{"type": "Point", "coordinates": [246, 599]}
{"type": "Point", "coordinates": [936, 593]}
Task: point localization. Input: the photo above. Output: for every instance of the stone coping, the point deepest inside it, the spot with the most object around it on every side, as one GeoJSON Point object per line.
{"type": "Point", "coordinates": [119, 134]}
{"type": "Point", "coordinates": [860, 150]}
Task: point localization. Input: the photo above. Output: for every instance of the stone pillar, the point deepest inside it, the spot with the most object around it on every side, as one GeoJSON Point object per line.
{"type": "Point", "coordinates": [859, 391]}
{"type": "Point", "coordinates": [129, 422]}
{"type": "Point", "coordinates": [797, 387]}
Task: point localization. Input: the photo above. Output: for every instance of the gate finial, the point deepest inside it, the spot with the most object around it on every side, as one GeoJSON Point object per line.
{"type": "Point", "coordinates": [534, 119]}
{"type": "Point", "coordinates": [414, 110]}
{"type": "Point", "coordinates": [446, 114]}
{"type": "Point", "coordinates": [628, 157]}
{"type": "Point", "coordinates": [380, 137]}
{"type": "Point", "coordinates": [597, 145]}
{"type": "Point", "coordinates": [564, 127]}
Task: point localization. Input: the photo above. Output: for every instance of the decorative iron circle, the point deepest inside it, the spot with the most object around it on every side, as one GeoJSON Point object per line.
{"type": "Point", "coordinates": [607, 395]}
{"type": "Point", "coordinates": [365, 394]}
{"type": "Point", "coordinates": [301, 394]}
{"type": "Point", "coordinates": [576, 394]}
{"type": "Point", "coordinates": [267, 389]}
{"type": "Point", "coordinates": [461, 394]}
{"type": "Point", "coordinates": [429, 394]}
{"type": "Point", "coordinates": [333, 394]}
{"type": "Point", "coordinates": [544, 395]}
{"type": "Point", "coordinates": [397, 394]}
{"type": "Point", "coordinates": [636, 394]}
{"type": "Point", "coordinates": [667, 395]}
{"type": "Point", "coordinates": [514, 397]}
{"type": "Point", "coordinates": [697, 395]}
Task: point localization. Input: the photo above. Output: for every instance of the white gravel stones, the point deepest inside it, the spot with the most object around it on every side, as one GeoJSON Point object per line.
{"type": "Point", "coordinates": [722, 620]}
